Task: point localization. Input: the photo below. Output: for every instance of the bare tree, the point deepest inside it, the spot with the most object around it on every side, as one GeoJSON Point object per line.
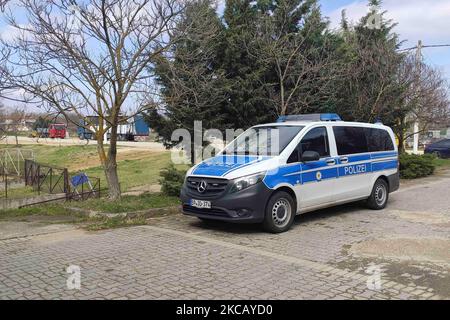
{"type": "Point", "coordinates": [425, 98]}
{"type": "Point", "coordinates": [304, 69]}
{"type": "Point", "coordinates": [89, 58]}
{"type": "Point", "coordinates": [3, 131]}
{"type": "Point", "coordinates": [16, 122]}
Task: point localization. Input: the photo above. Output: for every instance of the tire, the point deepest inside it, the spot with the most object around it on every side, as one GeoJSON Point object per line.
{"type": "Point", "coordinates": [437, 154]}
{"type": "Point", "coordinates": [380, 195]}
{"type": "Point", "coordinates": [280, 212]}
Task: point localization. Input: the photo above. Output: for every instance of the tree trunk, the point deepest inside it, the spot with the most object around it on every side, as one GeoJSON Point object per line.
{"type": "Point", "coordinates": [111, 167]}
{"type": "Point", "coordinates": [109, 163]}
{"type": "Point", "coordinates": [112, 179]}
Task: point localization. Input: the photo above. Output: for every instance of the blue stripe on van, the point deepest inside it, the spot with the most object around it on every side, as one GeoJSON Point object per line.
{"type": "Point", "coordinates": [325, 174]}
{"type": "Point", "coordinates": [222, 165]}
{"type": "Point", "coordinates": [385, 165]}
{"type": "Point", "coordinates": [358, 158]}
{"type": "Point", "coordinates": [384, 155]}
{"type": "Point", "coordinates": [287, 174]}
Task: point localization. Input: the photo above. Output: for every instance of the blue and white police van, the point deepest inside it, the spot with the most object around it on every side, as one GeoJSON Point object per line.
{"type": "Point", "coordinates": [315, 161]}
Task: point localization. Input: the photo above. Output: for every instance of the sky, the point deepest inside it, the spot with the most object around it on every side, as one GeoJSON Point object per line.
{"type": "Point", "coordinates": [426, 20]}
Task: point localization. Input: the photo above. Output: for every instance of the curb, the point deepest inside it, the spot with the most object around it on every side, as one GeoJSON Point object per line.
{"type": "Point", "coordinates": [147, 213]}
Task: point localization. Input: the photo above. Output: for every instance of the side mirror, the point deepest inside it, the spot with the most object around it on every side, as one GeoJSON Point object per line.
{"type": "Point", "coordinates": [309, 156]}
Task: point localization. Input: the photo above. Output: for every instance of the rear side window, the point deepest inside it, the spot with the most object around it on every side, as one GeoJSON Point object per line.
{"type": "Point", "coordinates": [378, 140]}
{"type": "Point", "coordinates": [316, 140]}
{"type": "Point", "coordinates": [350, 140]}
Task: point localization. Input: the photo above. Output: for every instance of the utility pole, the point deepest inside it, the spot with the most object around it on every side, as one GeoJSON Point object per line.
{"type": "Point", "coordinates": [418, 68]}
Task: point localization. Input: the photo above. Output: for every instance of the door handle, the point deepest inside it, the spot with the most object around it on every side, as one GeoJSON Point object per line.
{"type": "Point", "coordinates": [344, 160]}
{"type": "Point", "coordinates": [331, 162]}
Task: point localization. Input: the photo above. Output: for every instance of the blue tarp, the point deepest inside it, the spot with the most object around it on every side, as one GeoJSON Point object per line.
{"type": "Point", "coordinates": [79, 179]}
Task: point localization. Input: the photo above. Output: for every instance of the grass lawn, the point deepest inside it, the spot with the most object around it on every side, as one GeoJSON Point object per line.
{"type": "Point", "coordinates": [132, 172]}
{"type": "Point", "coordinates": [442, 163]}
{"type": "Point", "coordinates": [114, 223]}
{"type": "Point", "coordinates": [52, 210]}
{"type": "Point", "coordinates": [19, 193]}
{"type": "Point", "coordinates": [127, 203]}
{"type": "Point", "coordinates": [60, 156]}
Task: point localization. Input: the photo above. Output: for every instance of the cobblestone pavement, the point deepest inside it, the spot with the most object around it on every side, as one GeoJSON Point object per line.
{"type": "Point", "coordinates": [347, 252]}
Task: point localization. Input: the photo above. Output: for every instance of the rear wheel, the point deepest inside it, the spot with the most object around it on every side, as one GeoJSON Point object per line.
{"type": "Point", "coordinates": [280, 212]}
{"type": "Point", "coordinates": [379, 196]}
{"type": "Point", "coordinates": [437, 154]}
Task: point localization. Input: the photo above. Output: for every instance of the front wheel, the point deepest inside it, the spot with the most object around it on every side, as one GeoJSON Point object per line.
{"type": "Point", "coordinates": [280, 212]}
{"type": "Point", "coordinates": [379, 196]}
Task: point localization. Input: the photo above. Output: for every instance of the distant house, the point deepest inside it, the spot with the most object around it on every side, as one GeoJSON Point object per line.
{"type": "Point", "coordinates": [21, 126]}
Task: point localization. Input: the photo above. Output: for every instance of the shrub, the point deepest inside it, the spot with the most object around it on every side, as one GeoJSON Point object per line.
{"type": "Point", "coordinates": [416, 166]}
{"type": "Point", "coordinates": [171, 180]}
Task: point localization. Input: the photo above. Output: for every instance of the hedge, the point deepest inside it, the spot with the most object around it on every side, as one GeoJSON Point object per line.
{"type": "Point", "coordinates": [171, 180]}
{"type": "Point", "coordinates": [416, 166]}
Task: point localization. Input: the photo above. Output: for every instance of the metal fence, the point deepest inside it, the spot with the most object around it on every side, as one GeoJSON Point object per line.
{"type": "Point", "coordinates": [42, 179]}
{"type": "Point", "coordinates": [46, 179]}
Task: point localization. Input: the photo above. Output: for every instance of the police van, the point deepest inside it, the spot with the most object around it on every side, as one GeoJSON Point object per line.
{"type": "Point", "coordinates": [315, 161]}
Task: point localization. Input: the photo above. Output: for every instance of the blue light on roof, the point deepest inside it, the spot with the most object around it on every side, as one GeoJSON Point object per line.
{"type": "Point", "coordinates": [310, 117]}
{"type": "Point", "coordinates": [330, 117]}
{"type": "Point", "coordinates": [281, 119]}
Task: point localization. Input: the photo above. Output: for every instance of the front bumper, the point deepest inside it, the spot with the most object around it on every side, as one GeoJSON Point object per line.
{"type": "Point", "coordinates": [246, 206]}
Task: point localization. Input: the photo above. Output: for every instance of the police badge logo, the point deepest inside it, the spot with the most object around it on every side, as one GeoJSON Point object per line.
{"type": "Point", "coordinates": [319, 175]}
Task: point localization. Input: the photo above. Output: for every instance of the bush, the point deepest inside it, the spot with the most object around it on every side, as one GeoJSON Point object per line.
{"type": "Point", "coordinates": [416, 166]}
{"type": "Point", "coordinates": [171, 180]}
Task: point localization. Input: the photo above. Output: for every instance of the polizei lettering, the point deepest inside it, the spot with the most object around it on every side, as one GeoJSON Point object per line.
{"type": "Point", "coordinates": [356, 169]}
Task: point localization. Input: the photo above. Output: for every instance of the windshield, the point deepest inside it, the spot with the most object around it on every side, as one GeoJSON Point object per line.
{"type": "Point", "coordinates": [263, 141]}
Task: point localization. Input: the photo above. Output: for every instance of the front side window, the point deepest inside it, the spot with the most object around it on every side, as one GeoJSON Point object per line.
{"type": "Point", "coordinates": [263, 141]}
{"type": "Point", "coordinates": [350, 140]}
{"type": "Point", "coordinates": [316, 140]}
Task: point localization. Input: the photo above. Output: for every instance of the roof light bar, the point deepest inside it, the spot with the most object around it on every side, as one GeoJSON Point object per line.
{"type": "Point", "coordinates": [310, 117]}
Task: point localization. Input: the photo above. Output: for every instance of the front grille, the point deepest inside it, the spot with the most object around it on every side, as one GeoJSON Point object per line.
{"type": "Point", "coordinates": [214, 187]}
{"type": "Point", "coordinates": [212, 211]}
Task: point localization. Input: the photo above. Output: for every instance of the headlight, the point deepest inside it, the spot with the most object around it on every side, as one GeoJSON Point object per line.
{"type": "Point", "coordinates": [245, 182]}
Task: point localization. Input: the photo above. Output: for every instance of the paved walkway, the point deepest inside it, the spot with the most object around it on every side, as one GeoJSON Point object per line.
{"type": "Point", "coordinates": [347, 252]}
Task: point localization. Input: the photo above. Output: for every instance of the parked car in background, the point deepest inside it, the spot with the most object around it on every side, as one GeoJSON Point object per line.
{"type": "Point", "coordinates": [441, 148]}
{"type": "Point", "coordinates": [57, 130]}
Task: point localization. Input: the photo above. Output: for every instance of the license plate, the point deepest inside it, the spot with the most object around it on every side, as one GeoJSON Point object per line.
{"type": "Point", "coordinates": [201, 204]}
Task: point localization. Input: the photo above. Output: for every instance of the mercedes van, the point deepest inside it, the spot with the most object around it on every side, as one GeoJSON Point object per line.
{"type": "Point", "coordinates": [301, 163]}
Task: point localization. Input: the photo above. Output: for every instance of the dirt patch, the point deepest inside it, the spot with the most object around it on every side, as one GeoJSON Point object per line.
{"type": "Point", "coordinates": [435, 250]}
{"type": "Point", "coordinates": [433, 278]}
{"type": "Point", "coordinates": [139, 190]}
{"type": "Point", "coordinates": [423, 217]}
